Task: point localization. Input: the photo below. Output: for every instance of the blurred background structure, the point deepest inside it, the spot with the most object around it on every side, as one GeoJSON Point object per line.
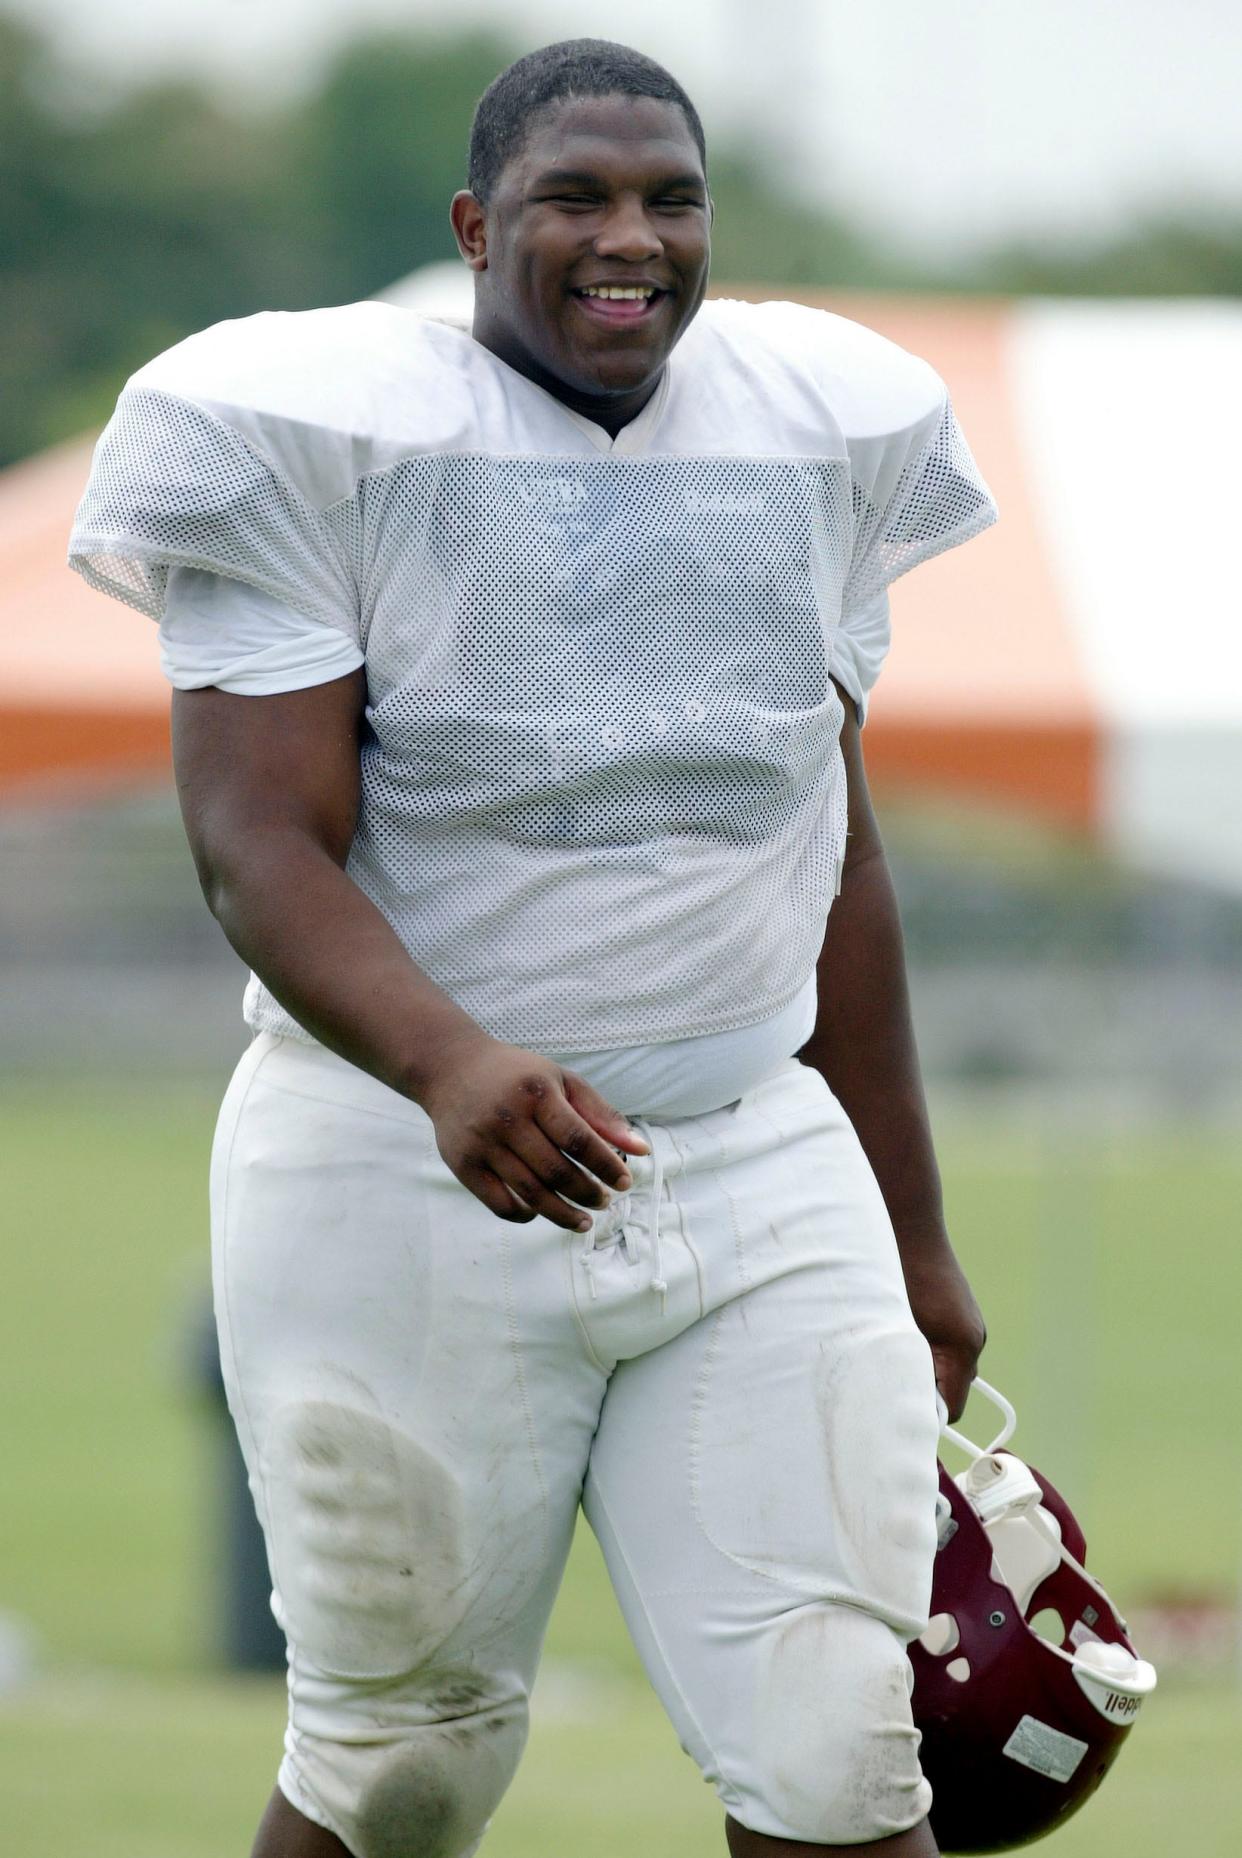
{"type": "Point", "coordinates": [1047, 203]}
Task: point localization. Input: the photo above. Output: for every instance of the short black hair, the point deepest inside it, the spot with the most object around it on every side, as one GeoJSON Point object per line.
{"type": "Point", "coordinates": [570, 68]}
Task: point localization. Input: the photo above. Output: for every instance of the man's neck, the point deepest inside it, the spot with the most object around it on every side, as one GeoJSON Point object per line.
{"type": "Point", "coordinates": [611, 411]}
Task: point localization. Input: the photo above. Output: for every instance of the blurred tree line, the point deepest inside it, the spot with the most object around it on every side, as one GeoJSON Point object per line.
{"type": "Point", "coordinates": [123, 228]}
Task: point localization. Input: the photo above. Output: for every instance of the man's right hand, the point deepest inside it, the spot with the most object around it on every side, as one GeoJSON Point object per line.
{"type": "Point", "coordinates": [526, 1137]}
{"type": "Point", "coordinates": [269, 790]}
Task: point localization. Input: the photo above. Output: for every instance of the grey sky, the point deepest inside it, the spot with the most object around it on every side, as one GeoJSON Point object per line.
{"type": "Point", "coordinates": [945, 125]}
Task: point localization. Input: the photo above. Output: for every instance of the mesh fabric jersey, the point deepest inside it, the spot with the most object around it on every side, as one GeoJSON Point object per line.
{"type": "Point", "coordinates": [603, 802]}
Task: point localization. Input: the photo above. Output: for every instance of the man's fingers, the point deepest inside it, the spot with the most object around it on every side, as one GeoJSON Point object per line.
{"type": "Point", "coordinates": [574, 1137]}
{"type": "Point", "coordinates": [520, 1198]}
{"type": "Point", "coordinates": [556, 1171]}
{"type": "Point", "coordinates": [522, 1147]}
{"type": "Point", "coordinates": [531, 1193]}
{"type": "Point", "coordinates": [601, 1116]}
{"type": "Point", "coordinates": [953, 1378]}
{"type": "Point", "coordinates": [496, 1197]}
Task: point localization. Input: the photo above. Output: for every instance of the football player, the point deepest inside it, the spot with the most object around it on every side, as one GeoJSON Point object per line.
{"type": "Point", "coordinates": [580, 1153]}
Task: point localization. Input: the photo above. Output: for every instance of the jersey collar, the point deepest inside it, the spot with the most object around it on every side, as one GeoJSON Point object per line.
{"type": "Point", "coordinates": [632, 438]}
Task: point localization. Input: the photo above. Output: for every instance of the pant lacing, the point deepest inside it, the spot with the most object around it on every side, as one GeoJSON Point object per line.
{"type": "Point", "coordinates": [620, 1210]}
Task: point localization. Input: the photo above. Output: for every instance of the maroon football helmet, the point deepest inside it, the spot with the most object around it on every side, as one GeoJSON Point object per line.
{"type": "Point", "coordinates": [1025, 1681]}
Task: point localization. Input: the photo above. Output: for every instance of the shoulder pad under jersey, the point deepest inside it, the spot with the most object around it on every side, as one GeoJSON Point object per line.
{"type": "Point", "coordinates": [874, 389]}
{"type": "Point", "coordinates": [325, 395]}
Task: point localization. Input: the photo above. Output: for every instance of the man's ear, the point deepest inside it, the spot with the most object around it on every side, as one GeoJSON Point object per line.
{"type": "Point", "coordinates": [469, 229]}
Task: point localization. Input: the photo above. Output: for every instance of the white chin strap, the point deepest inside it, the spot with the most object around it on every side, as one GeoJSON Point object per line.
{"type": "Point", "coordinates": [968, 1446]}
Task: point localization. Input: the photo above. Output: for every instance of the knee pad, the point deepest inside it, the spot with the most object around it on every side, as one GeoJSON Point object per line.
{"type": "Point", "coordinates": [417, 1790]}
{"type": "Point", "coordinates": [836, 1750]}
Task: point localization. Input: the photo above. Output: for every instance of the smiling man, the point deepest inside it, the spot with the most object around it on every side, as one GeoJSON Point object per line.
{"type": "Point", "coordinates": [518, 680]}
{"type": "Point", "coordinates": [590, 314]}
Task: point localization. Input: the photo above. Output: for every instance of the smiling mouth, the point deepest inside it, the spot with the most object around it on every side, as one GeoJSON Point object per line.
{"type": "Point", "coordinates": [619, 305]}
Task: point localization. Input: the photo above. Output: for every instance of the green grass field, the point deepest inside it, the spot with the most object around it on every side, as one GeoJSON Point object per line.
{"type": "Point", "coordinates": [1106, 1260]}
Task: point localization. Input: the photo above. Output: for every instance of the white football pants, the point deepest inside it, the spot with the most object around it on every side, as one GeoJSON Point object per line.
{"type": "Point", "coordinates": [725, 1372]}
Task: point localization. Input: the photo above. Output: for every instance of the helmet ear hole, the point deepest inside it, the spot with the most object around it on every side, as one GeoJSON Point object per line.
{"type": "Point", "coordinates": [940, 1636]}
{"type": "Point", "coordinates": [958, 1669]}
{"type": "Point", "coordinates": [1048, 1624]}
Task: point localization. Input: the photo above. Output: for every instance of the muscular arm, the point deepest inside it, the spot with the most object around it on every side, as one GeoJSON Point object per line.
{"type": "Point", "coordinates": [269, 794]}
{"type": "Point", "coordinates": [269, 790]}
{"type": "Point", "coordinates": [863, 1045]}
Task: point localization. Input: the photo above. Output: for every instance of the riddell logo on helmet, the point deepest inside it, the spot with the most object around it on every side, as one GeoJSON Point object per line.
{"type": "Point", "coordinates": [1118, 1708]}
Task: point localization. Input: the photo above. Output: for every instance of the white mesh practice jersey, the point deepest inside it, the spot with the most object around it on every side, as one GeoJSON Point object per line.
{"type": "Point", "coordinates": [602, 795]}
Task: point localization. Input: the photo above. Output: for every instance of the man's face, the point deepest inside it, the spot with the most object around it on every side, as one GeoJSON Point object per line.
{"type": "Point", "coordinates": [607, 193]}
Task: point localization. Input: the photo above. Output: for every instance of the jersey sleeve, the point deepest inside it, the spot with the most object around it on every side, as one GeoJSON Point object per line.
{"type": "Point", "coordinates": [181, 479]}
{"type": "Point", "coordinates": [917, 491]}
{"type": "Point", "coordinates": [224, 633]}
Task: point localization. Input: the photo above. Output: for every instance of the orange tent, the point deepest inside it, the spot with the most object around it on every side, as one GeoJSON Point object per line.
{"type": "Point", "coordinates": [82, 700]}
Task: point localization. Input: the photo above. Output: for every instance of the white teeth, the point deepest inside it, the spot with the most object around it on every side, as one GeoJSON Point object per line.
{"type": "Point", "coordinates": [618, 292]}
